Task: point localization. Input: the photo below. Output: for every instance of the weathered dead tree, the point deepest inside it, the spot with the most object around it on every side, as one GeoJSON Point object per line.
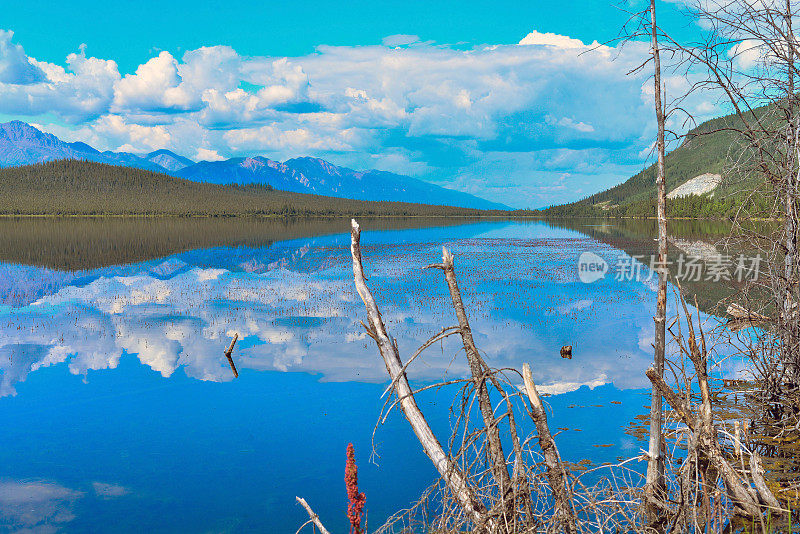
{"type": "Point", "coordinates": [655, 464]}
{"type": "Point", "coordinates": [448, 470]}
{"type": "Point", "coordinates": [640, 25]}
{"type": "Point", "coordinates": [562, 494]}
{"type": "Point", "coordinates": [480, 373]}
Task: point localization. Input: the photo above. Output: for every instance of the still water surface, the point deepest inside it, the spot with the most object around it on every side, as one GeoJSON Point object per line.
{"type": "Point", "coordinates": [119, 409]}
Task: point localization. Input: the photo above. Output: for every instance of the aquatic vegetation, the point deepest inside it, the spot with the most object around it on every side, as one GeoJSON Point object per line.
{"type": "Point", "coordinates": [356, 500]}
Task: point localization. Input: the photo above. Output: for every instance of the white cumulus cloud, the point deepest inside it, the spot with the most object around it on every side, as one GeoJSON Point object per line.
{"type": "Point", "coordinates": [15, 67]}
{"type": "Point", "coordinates": [433, 111]}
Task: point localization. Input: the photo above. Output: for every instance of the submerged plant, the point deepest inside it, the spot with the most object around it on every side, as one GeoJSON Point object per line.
{"type": "Point", "coordinates": [356, 500]}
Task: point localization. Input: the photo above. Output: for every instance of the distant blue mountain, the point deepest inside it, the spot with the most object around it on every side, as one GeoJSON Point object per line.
{"type": "Point", "coordinates": [317, 176]}
{"type": "Point", "coordinates": [22, 144]}
{"type": "Point", "coordinates": [168, 160]}
{"type": "Point", "coordinates": [78, 145]}
{"type": "Point", "coordinates": [126, 159]}
{"type": "Point", "coordinates": [257, 170]}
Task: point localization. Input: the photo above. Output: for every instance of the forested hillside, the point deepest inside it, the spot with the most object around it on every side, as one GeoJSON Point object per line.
{"type": "Point", "coordinates": [89, 188]}
{"type": "Point", "coordinates": [709, 148]}
{"type": "Point", "coordinates": [23, 144]}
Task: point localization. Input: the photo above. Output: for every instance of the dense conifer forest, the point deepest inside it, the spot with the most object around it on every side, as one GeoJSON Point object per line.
{"type": "Point", "coordinates": [86, 188]}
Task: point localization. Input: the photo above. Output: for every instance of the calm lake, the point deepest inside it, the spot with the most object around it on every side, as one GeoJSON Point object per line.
{"type": "Point", "coordinates": [118, 407]}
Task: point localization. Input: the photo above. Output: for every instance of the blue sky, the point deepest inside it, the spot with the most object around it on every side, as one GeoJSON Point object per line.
{"type": "Point", "coordinates": [500, 99]}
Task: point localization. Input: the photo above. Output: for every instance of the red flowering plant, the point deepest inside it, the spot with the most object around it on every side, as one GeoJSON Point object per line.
{"type": "Point", "coordinates": [356, 500]}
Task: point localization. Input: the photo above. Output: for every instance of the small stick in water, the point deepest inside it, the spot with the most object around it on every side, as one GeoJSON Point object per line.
{"type": "Point", "coordinates": [228, 355]}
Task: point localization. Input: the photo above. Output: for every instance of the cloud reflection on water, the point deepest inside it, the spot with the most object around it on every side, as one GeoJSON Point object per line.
{"type": "Point", "coordinates": [294, 308]}
{"type": "Point", "coordinates": [35, 507]}
{"type": "Point", "coordinates": [43, 507]}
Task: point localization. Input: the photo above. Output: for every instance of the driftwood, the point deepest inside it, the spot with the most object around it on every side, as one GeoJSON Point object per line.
{"type": "Point", "coordinates": [314, 518]}
{"type": "Point", "coordinates": [741, 317]}
{"type": "Point", "coordinates": [562, 495]}
{"type": "Point", "coordinates": [230, 358]}
{"type": "Point", "coordinates": [764, 493]}
{"type": "Point", "coordinates": [450, 472]}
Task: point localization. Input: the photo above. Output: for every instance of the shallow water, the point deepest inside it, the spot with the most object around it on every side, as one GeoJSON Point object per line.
{"type": "Point", "coordinates": [119, 408]}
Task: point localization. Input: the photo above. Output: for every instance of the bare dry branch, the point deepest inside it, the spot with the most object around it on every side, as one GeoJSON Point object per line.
{"type": "Point", "coordinates": [449, 472]}
{"type": "Point", "coordinates": [555, 469]}
{"type": "Point", "coordinates": [314, 518]}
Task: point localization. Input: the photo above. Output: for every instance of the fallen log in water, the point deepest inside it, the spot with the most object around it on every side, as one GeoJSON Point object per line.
{"type": "Point", "coordinates": [737, 311]}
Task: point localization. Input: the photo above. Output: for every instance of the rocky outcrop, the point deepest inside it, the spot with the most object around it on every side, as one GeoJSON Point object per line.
{"type": "Point", "coordinates": [699, 185]}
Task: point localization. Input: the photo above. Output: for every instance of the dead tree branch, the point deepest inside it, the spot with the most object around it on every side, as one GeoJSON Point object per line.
{"type": "Point", "coordinates": [314, 518]}
{"type": "Point", "coordinates": [497, 457]}
{"type": "Point", "coordinates": [449, 471]}
{"type": "Point", "coordinates": [562, 495]}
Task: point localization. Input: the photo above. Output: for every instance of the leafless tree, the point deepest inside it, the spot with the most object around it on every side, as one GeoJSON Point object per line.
{"type": "Point", "coordinates": [643, 24]}
{"type": "Point", "coordinates": [655, 465]}
{"type": "Point", "coordinates": [748, 55]}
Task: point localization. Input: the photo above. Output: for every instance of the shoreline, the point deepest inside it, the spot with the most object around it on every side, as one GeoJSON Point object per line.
{"type": "Point", "coordinates": [510, 216]}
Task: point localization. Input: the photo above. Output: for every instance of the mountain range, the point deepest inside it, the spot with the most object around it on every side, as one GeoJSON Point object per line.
{"type": "Point", "coordinates": [23, 144]}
